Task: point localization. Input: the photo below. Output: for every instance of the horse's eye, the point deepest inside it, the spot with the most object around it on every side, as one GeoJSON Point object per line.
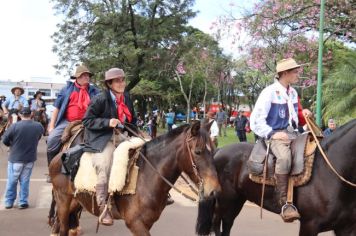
{"type": "Point", "coordinates": [197, 151]}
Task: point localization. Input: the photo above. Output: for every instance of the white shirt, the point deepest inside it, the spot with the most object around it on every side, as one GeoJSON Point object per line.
{"type": "Point", "coordinates": [214, 129]}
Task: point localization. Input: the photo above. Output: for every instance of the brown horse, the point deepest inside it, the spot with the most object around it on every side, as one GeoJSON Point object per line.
{"type": "Point", "coordinates": [40, 116]}
{"type": "Point", "coordinates": [325, 203]}
{"type": "Point", "coordinates": [180, 150]}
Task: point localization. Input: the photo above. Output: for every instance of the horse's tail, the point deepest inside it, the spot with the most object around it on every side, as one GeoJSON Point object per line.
{"type": "Point", "coordinates": [52, 211]}
{"type": "Point", "coordinates": [206, 211]}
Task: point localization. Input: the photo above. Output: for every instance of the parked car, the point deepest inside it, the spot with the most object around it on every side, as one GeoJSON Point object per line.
{"type": "Point", "coordinates": [181, 117]}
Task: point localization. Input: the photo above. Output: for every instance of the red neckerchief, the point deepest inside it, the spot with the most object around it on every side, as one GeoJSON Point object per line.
{"type": "Point", "coordinates": [83, 97]}
{"type": "Point", "coordinates": [122, 110]}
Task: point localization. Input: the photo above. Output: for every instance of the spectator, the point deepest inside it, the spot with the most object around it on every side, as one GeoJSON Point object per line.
{"type": "Point", "coordinates": [22, 138]}
{"type": "Point", "coordinates": [140, 123]}
{"type": "Point", "coordinates": [221, 120]}
{"type": "Point", "coordinates": [331, 127]}
{"type": "Point", "coordinates": [170, 119]}
{"type": "Point", "coordinates": [240, 124]}
{"type": "Point", "coordinates": [214, 129]}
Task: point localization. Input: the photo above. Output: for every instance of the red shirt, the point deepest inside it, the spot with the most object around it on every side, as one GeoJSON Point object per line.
{"type": "Point", "coordinates": [301, 118]}
{"type": "Point", "coordinates": [74, 112]}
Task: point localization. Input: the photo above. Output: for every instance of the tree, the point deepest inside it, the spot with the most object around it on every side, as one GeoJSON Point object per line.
{"type": "Point", "coordinates": [339, 88]}
{"type": "Point", "coordinates": [126, 34]}
{"type": "Point", "coordinates": [199, 64]}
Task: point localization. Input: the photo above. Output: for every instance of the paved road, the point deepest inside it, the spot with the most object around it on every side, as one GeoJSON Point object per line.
{"type": "Point", "coordinates": [176, 220]}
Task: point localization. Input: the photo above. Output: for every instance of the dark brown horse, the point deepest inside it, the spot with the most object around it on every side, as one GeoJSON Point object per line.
{"type": "Point", "coordinates": [325, 203]}
{"type": "Point", "coordinates": [170, 154]}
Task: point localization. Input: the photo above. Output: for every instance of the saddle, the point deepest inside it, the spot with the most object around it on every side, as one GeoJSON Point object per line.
{"type": "Point", "coordinates": [303, 150]}
{"type": "Point", "coordinates": [124, 171]}
{"type": "Point", "coordinates": [71, 132]}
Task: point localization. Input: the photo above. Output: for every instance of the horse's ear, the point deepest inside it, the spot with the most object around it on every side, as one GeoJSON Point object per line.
{"type": "Point", "coordinates": [194, 130]}
{"type": "Point", "coordinates": [207, 125]}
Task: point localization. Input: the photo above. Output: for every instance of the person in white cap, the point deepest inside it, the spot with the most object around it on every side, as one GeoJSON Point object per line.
{"type": "Point", "coordinates": [70, 105]}
{"type": "Point", "coordinates": [275, 117]}
{"type": "Point", "coordinates": [110, 109]}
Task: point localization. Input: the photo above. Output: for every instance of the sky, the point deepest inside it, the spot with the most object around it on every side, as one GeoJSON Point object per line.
{"type": "Point", "coordinates": [26, 45]}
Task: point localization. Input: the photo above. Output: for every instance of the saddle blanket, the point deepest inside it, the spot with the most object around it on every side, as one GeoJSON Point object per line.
{"type": "Point", "coordinates": [86, 178]}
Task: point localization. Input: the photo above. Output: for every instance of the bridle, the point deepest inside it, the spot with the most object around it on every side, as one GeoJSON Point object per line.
{"type": "Point", "coordinates": [188, 139]}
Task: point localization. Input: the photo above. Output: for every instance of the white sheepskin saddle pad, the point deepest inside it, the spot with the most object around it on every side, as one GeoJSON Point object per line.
{"type": "Point", "coordinates": [86, 177]}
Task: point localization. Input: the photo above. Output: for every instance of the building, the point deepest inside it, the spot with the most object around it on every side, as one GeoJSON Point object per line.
{"type": "Point", "coordinates": [50, 90]}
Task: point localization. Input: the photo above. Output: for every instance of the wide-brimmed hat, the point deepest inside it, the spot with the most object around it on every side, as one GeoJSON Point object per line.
{"type": "Point", "coordinates": [17, 87]}
{"type": "Point", "coordinates": [81, 70]}
{"type": "Point", "coordinates": [114, 73]}
{"type": "Point", "coordinates": [25, 111]}
{"type": "Point", "coordinates": [38, 92]}
{"type": "Point", "coordinates": [286, 64]}
{"type": "Point", "coordinates": [2, 96]}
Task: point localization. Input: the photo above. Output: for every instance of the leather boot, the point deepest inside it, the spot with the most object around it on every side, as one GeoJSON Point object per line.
{"type": "Point", "coordinates": [50, 156]}
{"type": "Point", "coordinates": [289, 212]}
{"type": "Point", "coordinates": [105, 217]}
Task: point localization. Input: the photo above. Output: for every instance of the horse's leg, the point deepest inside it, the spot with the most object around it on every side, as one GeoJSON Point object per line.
{"type": "Point", "coordinates": [308, 228]}
{"type": "Point", "coordinates": [217, 224]}
{"type": "Point", "coordinates": [63, 209]}
{"type": "Point", "coordinates": [138, 228]}
{"type": "Point", "coordinates": [346, 230]}
{"type": "Point", "coordinates": [230, 213]}
{"type": "Point", "coordinates": [75, 211]}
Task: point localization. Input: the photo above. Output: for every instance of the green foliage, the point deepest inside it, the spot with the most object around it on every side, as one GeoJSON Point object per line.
{"type": "Point", "coordinates": [339, 88]}
{"type": "Point", "coordinates": [125, 34]}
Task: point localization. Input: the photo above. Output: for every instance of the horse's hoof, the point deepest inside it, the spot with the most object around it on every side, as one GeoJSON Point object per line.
{"type": "Point", "coordinates": [73, 232]}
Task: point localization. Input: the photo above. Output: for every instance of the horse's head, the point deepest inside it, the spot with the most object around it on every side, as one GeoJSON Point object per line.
{"type": "Point", "coordinates": [199, 151]}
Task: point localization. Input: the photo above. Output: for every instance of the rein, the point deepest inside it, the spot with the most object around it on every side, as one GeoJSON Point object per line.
{"type": "Point", "coordinates": [311, 124]}
{"type": "Point", "coordinates": [159, 174]}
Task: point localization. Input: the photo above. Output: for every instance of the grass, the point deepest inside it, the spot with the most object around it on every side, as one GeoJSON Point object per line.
{"type": "Point", "coordinates": [222, 141]}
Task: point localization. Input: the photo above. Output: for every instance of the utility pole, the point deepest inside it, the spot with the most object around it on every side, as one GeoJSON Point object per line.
{"type": "Point", "coordinates": [320, 63]}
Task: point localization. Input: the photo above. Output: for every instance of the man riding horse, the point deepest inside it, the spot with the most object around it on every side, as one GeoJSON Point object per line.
{"type": "Point", "coordinates": [38, 107]}
{"type": "Point", "coordinates": [14, 103]}
{"type": "Point", "coordinates": [275, 118]}
{"type": "Point", "coordinates": [110, 109]}
{"type": "Point", "coordinates": [70, 105]}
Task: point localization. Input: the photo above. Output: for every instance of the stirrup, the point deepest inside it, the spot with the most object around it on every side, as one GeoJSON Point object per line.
{"type": "Point", "coordinates": [291, 219]}
{"type": "Point", "coordinates": [102, 215]}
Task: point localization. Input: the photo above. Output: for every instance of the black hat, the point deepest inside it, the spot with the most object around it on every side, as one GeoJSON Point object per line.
{"type": "Point", "coordinates": [38, 92]}
{"type": "Point", "coordinates": [25, 111]}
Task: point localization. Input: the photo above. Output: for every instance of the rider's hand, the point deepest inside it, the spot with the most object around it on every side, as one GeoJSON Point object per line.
{"type": "Point", "coordinates": [114, 122]}
{"type": "Point", "coordinates": [280, 136]}
{"type": "Point", "coordinates": [307, 113]}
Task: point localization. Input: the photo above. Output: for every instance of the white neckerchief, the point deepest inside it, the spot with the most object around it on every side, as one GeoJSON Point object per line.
{"type": "Point", "coordinates": [292, 114]}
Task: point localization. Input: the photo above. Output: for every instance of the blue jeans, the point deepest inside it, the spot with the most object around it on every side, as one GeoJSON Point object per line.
{"type": "Point", "coordinates": [18, 172]}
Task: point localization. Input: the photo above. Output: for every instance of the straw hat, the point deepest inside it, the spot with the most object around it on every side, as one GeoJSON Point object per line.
{"type": "Point", "coordinates": [114, 73]}
{"type": "Point", "coordinates": [286, 64]}
{"type": "Point", "coordinates": [17, 87]}
{"type": "Point", "coordinates": [81, 69]}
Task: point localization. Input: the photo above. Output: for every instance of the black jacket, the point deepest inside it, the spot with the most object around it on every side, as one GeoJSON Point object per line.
{"type": "Point", "coordinates": [240, 122]}
{"type": "Point", "coordinates": [96, 120]}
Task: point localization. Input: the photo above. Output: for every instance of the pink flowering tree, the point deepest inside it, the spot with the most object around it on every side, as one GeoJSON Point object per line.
{"type": "Point", "coordinates": [274, 29]}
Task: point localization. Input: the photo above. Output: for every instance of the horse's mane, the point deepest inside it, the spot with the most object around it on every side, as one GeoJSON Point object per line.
{"type": "Point", "coordinates": [168, 136]}
{"type": "Point", "coordinates": [338, 133]}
